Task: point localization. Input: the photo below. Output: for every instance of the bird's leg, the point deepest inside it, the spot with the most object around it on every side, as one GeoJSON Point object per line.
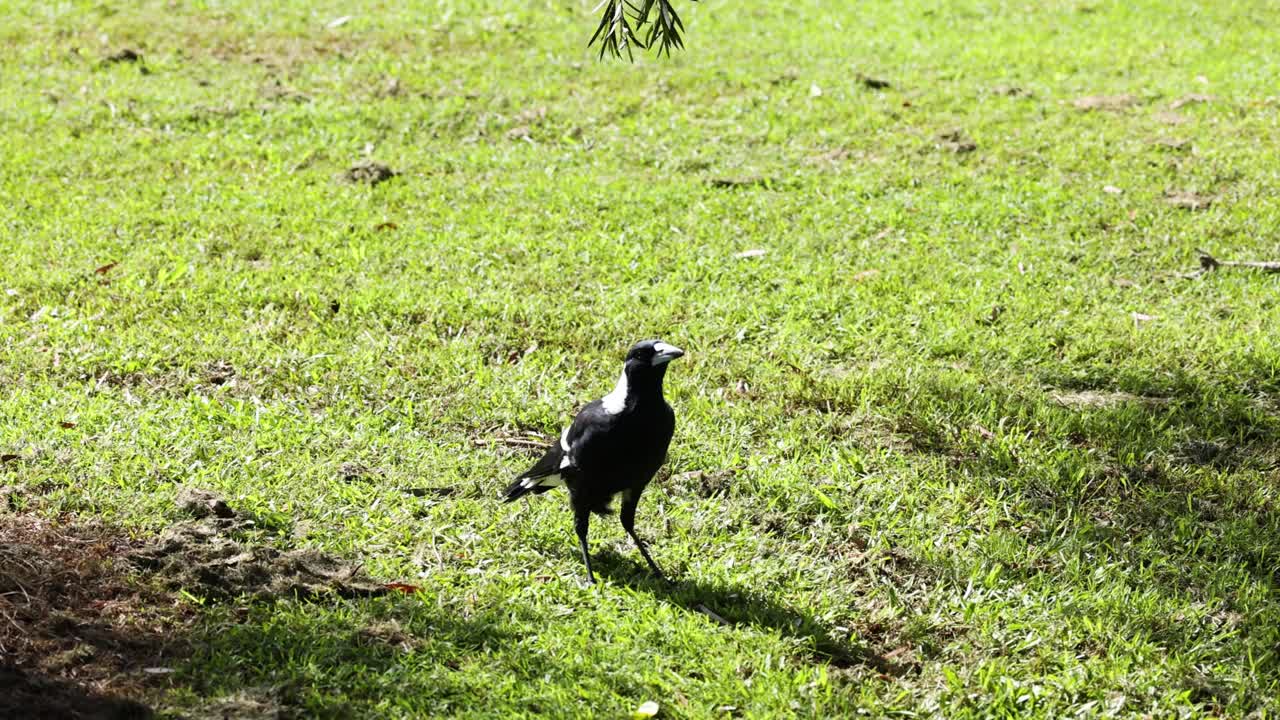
{"type": "Point", "coordinates": [581, 521]}
{"type": "Point", "coordinates": [628, 514]}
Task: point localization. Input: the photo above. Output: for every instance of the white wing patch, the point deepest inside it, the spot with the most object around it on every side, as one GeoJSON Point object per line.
{"type": "Point", "coordinates": [616, 400]}
{"type": "Point", "coordinates": [548, 481]}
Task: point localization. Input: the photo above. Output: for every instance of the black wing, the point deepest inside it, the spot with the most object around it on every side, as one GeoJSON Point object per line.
{"type": "Point", "coordinates": [547, 473]}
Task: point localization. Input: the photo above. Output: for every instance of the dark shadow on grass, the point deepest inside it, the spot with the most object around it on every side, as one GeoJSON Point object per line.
{"type": "Point", "coordinates": [337, 658]}
{"type": "Point", "coordinates": [35, 696]}
{"type": "Point", "coordinates": [1166, 478]}
{"type": "Point", "coordinates": [1193, 457]}
{"type": "Point", "coordinates": [732, 606]}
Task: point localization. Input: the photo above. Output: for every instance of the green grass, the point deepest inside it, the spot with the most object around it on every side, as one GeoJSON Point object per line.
{"type": "Point", "coordinates": [902, 459]}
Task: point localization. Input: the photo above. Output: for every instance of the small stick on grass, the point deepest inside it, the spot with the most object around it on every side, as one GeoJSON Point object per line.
{"type": "Point", "coordinates": [1209, 263]}
{"type": "Point", "coordinates": [711, 614]}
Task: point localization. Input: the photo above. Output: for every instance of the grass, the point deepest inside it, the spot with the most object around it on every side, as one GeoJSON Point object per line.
{"type": "Point", "coordinates": [931, 459]}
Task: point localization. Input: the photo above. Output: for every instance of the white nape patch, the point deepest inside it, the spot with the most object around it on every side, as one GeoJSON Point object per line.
{"type": "Point", "coordinates": [567, 460]}
{"type": "Point", "coordinates": [616, 400]}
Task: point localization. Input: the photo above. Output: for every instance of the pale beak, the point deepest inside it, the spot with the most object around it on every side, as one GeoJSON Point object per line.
{"type": "Point", "coordinates": [664, 353]}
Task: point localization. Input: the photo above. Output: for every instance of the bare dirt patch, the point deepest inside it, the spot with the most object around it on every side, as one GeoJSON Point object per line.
{"type": "Point", "coordinates": [89, 619]}
{"type": "Point", "coordinates": [1192, 99]}
{"type": "Point", "coordinates": [1012, 91]}
{"type": "Point", "coordinates": [372, 173]}
{"type": "Point", "coordinates": [205, 558]}
{"type": "Point", "coordinates": [957, 141]}
{"type": "Point", "coordinates": [1105, 102]}
{"type": "Point", "coordinates": [1101, 399]}
{"type": "Point", "coordinates": [78, 631]}
{"type": "Point", "coordinates": [704, 483]}
{"type": "Point", "coordinates": [1189, 200]}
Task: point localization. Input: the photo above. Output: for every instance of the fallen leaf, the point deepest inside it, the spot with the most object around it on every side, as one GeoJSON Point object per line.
{"type": "Point", "coordinates": [1124, 282]}
{"type": "Point", "coordinates": [1104, 102]}
{"type": "Point", "coordinates": [1011, 91]}
{"type": "Point", "coordinates": [9, 457]}
{"type": "Point", "coordinates": [66, 424]}
{"type": "Point", "coordinates": [1188, 199]}
{"type": "Point", "coordinates": [105, 268]}
{"type": "Point", "coordinates": [738, 182]}
{"type": "Point", "coordinates": [984, 432]}
{"type": "Point", "coordinates": [158, 670]}
{"type": "Point", "coordinates": [754, 252]}
{"type": "Point", "coordinates": [338, 22]}
{"type": "Point", "coordinates": [993, 317]}
{"type": "Point", "coordinates": [125, 55]}
{"type": "Point", "coordinates": [865, 275]}
{"type": "Point", "coordinates": [532, 115]}
{"type": "Point", "coordinates": [1139, 318]}
{"type": "Point", "coordinates": [520, 132]}
{"type": "Point", "coordinates": [787, 76]}
{"type": "Point", "coordinates": [369, 172]}
{"type": "Point", "coordinates": [957, 142]}
{"type": "Point", "coordinates": [815, 91]}
{"type": "Point", "coordinates": [1192, 99]}
{"type": "Point", "coordinates": [646, 710]}
{"type": "Point", "coordinates": [904, 651]}
{"type": "Point", "coordinates": [873, 83]}
{"type": "Point", "coordinates": [831, 155]}
{"type": "Point", "coordinates": [516, 355]}
{"type": "Point", "coordinates": [1111, 189]}
{"type": "Point", "coordinates": [1173, 143]}
{"type": "Point", "coordinates": [402, 587]}
{"type": "Point", "coordinates": [384, 226]}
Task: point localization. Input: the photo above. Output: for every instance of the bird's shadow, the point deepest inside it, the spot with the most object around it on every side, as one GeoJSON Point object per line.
{"type": "Point", "coordinates": [736, 607]}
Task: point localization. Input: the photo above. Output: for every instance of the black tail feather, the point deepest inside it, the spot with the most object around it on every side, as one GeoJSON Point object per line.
{"type": "Point", "coordinates": [548, 465]}
{"type": "Point", "coordinates": [516, 490]}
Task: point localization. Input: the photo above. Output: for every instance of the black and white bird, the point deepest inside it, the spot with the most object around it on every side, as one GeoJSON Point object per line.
{"type": "Point", "coordinates": [614, 446]}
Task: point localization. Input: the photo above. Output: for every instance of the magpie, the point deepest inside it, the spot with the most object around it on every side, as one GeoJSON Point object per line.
{"type": "Point", "coordinates": [614, 446]}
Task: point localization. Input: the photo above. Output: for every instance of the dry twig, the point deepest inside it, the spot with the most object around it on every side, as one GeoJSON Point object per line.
{"type": "Point", "coordinates": [1209, 263]}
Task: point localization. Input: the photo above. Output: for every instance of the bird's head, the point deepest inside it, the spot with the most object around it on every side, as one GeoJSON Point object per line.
{"type": "Point", "coordinates": [651, 357]}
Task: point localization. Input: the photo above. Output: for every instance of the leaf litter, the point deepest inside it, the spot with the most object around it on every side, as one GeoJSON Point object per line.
{"type": "Point", "coordinates": [94, 622]}
{"type": "Point", "coordinates": [205, 557]}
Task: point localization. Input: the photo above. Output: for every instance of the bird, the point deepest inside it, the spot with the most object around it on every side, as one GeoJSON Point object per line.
{"type": "Point", "coordinates": [614, 446]}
